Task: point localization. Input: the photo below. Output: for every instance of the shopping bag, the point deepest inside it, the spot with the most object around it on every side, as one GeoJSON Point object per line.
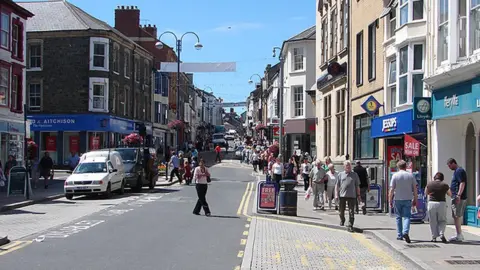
{"type": "Point", "coordinates": [308, 193]}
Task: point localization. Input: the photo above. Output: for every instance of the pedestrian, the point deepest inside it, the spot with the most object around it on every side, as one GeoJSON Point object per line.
{"type": "Point", "coordinates": [459, 197]}
{"type": "Point", "coordinates": [317, 177]}
{"type": "Point", "coordinates": [364, 185]}
{"type": "Point", "coordinates": [437, 208]}
{"type": "Point", "coordinates": [201, 176]}
{"type": "Point", "coordinates": [255, 161]}
{"type": "Point", "coordinates": [187, 175]}
{"type": "Point", "coordinates": [175, 163]}
{"type": "Point", "coordinates": [35, 171]}
{"type": "Point", "coordinates": [277, 171]}
{"type": "Point", "coordinates": [46, 165]}
{"type": "Point", "coordinates": [73, 161]}
{"type": "Point", "coordinates": [305, 174]}
{"type": "Point", "coordinates": [402, 196]}
{"type": "Point", "coordinates": [291, 169]}
{"type": "Point", "coordinates": [347, 191]}
{"type": "Point", "coordinates": [332, 181]}
{"type": "Point", "coordinates": [168, 155]}
{"type": "Point", "coordinates": [217, 154]}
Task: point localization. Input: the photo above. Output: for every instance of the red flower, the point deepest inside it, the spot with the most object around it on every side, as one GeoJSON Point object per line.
{"type": "Point", "coordinates": [176, 124]}
{"type": "Point", "coordinates": [133, 138]}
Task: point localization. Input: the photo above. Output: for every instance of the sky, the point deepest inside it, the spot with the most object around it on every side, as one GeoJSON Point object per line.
{"type": "Point", "coordinates": [242, 31]}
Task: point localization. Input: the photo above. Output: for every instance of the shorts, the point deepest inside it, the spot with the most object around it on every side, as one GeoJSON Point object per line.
{"type": "Point", "coordinates": [459, 208]}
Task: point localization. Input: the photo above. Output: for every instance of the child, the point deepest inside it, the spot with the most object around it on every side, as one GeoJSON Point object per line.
{"type": "Point", "coordinates": [188, 173]}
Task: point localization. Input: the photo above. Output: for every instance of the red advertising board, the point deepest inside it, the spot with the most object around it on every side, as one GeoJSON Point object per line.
{"type": "Point", "coordinates": [411, 146]}
{"type": "Point", "coordinates": [394, 154]}
{"type": "Point", "coordinates": [94, 142]}
{"type": "Point", "coordinates": [268, 196]}
{"type": "Point", "coordinates": [74, 144]}
{"type": "Point", "coordinates": [51, 143]}
{"type": "Point", "coordinates": [276, 131]}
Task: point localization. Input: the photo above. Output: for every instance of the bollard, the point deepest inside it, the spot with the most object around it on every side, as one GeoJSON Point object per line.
{"type": "Point", "coordinates": [288, 198]}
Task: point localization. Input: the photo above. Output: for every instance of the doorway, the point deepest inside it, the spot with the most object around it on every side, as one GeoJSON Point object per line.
{"type": "Point", "coordinates": [470, 166]}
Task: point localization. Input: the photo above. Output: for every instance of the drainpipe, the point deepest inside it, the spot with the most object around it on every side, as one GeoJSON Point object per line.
{"type": "Point", "coordinates": [349, 61]}
{"type": "Point", "coordinates": [429, 42]}
{"type": "Point", "coordinates": [132, 78]}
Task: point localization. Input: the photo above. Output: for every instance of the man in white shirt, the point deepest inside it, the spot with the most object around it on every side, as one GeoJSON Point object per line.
{"type": "Point", "coordinates": [306, 167]}
{"type": "Point", "coordinates": [332, 181]}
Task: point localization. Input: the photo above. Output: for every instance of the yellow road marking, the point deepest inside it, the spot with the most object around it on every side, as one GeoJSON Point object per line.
{"type": "Point", "coordinates": [239, 211]}
{"type": "Point", "coordinates": [237, 268]}
{"type": "Point", "coordinates": [247, 202]}
{"type": "Point", "coordinates": [249, 219]}
{"type": "Point", "coordinates": [387, 259]}
{"type": "Point", "coordinates": [15, 245]}
{"type": "Point", "coordinates": [243, 242]}
{"type": "Point", "coordinates": [240, 254]}
{"type": "Point", "coordinates": [345, 249]}
{"type": "Point", "coordinates": [304, 260]}
{"type": "Point", "coordinates": [278, 257]}
{"type": "Point", "coordinates": [247, 225]}
{"type": "Point", "coordinates": [245, 233]}
{"type": "Point", "coordinates": [329, 262]}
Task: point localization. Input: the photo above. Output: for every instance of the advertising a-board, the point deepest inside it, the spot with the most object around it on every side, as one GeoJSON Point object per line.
{"type": "Point", "coordinates": [267, 196]}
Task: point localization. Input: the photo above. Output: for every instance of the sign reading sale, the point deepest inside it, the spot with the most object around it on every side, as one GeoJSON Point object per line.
{"type": "Point", "coordinates": [411, 146]}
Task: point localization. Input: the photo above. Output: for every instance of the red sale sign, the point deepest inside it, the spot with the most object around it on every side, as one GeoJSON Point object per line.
{"type": "Point", "coordinates": [51, 144]}
{"type": "Point", "coordinates": [411, 146]}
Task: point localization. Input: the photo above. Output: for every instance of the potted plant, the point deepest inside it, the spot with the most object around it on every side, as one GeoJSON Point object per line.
{"type": "Point", "coordinates": [260, 126]}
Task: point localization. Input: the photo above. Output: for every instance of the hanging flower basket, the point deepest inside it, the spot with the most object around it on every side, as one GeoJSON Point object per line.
{"type": "Point", "coordinates": [176, 124]}
{"type": "Point", "coordinates": [260, 127]}
{"type": "Point", "coordinates": [133, 140]}
{"type": "Point", "coordinates": [273, 149]}
{"type": "Point", "coordinates": [32, 149]}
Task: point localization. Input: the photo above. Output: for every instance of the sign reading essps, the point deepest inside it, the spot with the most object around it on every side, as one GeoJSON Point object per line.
{"type": "Point", "coordinates": [394, 124]}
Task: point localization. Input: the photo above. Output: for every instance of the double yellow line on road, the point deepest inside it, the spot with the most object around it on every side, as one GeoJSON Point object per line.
{"type": "Point", "coordinates": [15, 245]}
{"type": "Point", "coordinates": [244, 203]}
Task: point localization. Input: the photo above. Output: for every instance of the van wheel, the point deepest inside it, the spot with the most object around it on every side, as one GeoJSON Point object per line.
{"type": "Point", "coordinates": [121, 191]}
{"type": "Point", "coordinates": [69, 196]}
{"type": "Point", "coordinates": [138, 187]}
{"type": "Point", "coordinates": [108, 193]}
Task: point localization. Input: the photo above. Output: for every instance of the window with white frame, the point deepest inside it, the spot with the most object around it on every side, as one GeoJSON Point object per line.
{"type": "Point", "coordinates": [417, 10]}
{"type": "Point", "coordinates": [392, 84]}
{"type": "Point", "coordinates": [442, 31]}
{"type": "Point", "coordinates": [391, 23]}
{"type": "Point", "coordinates": [4, 85]}
{"type": "Point", "coordinates": [403, 12]}
{"type": "Point", "coordinates": [359, 58]}
{"type": "Point", "coordinates": [372, 50]}
{"type": "Point", "coordinates": [417, 70]}
{"type": "Point", "coordinates": [324, 41]}
{"type": "Point", "coordinates": [474, 25]}
{"type": "Point", "coordinates": [98, 100]}
{"type": "Point", "coordinates": [126, 66]}
{"type": "Point", "coordinates": [462, 28]}
{"type": "Point", "coordinates": [403, 76]}
{"type": "Point", "coordinates": [35, 56]}
{"type": "Point", "coordinates": [99, 54]}
{"type": "Point", "coordinates": [297, 100]}
{"type": "Point", "coordinates": [116, 58]}
{"type": "Point", "coordinates": [5, 30]}
{"type": "Point", "coordinates": [298, 59]}
{"type": "Point", "coordinates": [333, 32]}
{"type": "Point", "coordinates": [34, 96]}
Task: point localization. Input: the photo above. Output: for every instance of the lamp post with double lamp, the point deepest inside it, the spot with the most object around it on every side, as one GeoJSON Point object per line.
{"type": "Point", "coordinates": [250, 81]}
{"type": "Point", "coordinates": [178, 42]}
{"type": "Point", "coordinates": [281, 59]}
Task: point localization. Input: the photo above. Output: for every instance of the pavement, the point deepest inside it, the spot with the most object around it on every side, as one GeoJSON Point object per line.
{"type": "Point", "coordinates": [421, 253]}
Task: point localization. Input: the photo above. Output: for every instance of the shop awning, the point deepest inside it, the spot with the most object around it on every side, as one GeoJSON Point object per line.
{"type": "Point", "coordinates": [396, 124]}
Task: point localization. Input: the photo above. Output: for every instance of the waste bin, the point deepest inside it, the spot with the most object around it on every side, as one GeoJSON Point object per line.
{"type": "Point", "coordinates": [288, 198]}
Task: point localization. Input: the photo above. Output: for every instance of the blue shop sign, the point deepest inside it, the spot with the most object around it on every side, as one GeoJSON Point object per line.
{"type": "Point", "coordinates": [458, 99]}
{"type": "Point", "coordinates": [396, 124]}
{"type": "Point", "coordinates": [120, 125]}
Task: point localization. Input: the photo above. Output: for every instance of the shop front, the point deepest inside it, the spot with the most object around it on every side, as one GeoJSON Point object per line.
{"type": "Point", "coordinates": [160, 139]}
{"type": "Point", "coordinates": [12, 136]}
{"type": "Point", "coordinates": [300, 136]}
{"type": "Point", "coordinates": [456, 134]}
{"type": "Point", "coordinates": [404, 138]}
{"type": "Point", "coordinates": [62, 135]}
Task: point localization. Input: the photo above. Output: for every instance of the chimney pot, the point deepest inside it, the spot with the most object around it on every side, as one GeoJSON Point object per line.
{"type": "Point", "coordinates": [136, 7]}
{"type": "Point", "coordinates": [118, 7]}
{"type": "Point", "coordinates": [123, 7]}
{"type": "Point", "coordinates": [149, 25]}
{"type": "Point", "coordinates": [154, 26]}
{"type": "Point", "coordinates": [132, 7]}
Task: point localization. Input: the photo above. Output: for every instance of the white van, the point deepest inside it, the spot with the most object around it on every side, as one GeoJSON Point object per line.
{"type": "Point", "coordinates": [98, 172]}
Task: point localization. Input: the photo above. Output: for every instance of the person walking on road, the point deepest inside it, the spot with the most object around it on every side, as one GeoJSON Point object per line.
{"type": "Point", "coordinates": [175, 162]}
{"type": "Point", "coordinates": [437, 208]}
{"type": "Point", "coordinates": [318, 176]}
{"type": "Point", "coordinates": [201, 176]}
{"type": "Point", "coordinates": [459, 197]}
{"type": "Point", "coordinates": [332, 182]}
{"type": "Point", "coordinates": [46, 165]}
{"type": "Point", "coordinates": [364, 185]}
{"type": "Point", "coordinates": [306, 173]}
{"type": "Point", "coordinates": [347, 191]}
{"type": "Point", "coordinates": [255, 161]}
{"type": "Point", "coordinates": [403, 196]}
{"type": "Point", "coordinates": [217, 156]}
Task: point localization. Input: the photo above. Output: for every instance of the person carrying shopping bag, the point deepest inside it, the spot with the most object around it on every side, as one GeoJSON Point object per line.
{"type": "Point", "coordinates": [437, 207]}
{"type": "Point", "coordinates": [332, 182]}
{"type": "Point", "coordinates": [201, 176]}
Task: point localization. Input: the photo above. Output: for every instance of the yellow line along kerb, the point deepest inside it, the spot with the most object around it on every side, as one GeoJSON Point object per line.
{"type": "Point", "coordinates": [247, 202]}
{"type": "Point", "coordinates": [15, 245]}
{"type": "Point", "coordinates": [242, 202]}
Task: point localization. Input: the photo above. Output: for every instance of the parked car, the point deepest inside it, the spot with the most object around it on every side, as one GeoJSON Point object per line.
{"type": "Point", "coordinates": [219, 139]}
{"type": "Point", "coordinates": [239, 152]}
{"type": "Point", "coordinates": [98, 172]}
{"type": "Point", "coordinates": [135, 177]}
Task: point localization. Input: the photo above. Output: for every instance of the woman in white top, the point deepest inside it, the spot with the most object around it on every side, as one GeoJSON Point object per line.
{"type": "Point", "coordinates": [255, 160]}
{"type": "Point", "coordinates": [277, 171]}
{"type": "Point", "coordinates": [200, 176]}
{"type": "Point", "coordinates": [332, 180]}
{"type": "Point", "coordinates": [305, 173]}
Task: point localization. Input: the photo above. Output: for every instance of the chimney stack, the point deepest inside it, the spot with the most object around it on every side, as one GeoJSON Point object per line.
{"type": "Point", "coordinates": [127, 20]}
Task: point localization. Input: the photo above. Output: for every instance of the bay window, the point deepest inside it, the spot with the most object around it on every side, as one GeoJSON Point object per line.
{"type": "Point", "coordinates": [99, 54]}
{"type": "Point", "coordinates": [403, 76]}
{"type": "Point", "coordinates": [392, 84]}
{"type": "Point", "coordinates": [403, 12]}
{"type": "Point", "coordinates": [417, 71]}
{"type": "Point", "coordinates": [475, 25]}
{"type": "Point", "coordinates": [462, 28]}
{"type": "Point", "coordinates": [411, 10]}
{"type": "Point", "coordinates": [391, 23]}
{"type": "Point", "coordinates": [98, 92]}
{"type": "Point", "coordinates": [411, 71]}
{"type": "Point", "coordinates": [443, 31]}
{"type": "Point", "coordinates": [417, 10]}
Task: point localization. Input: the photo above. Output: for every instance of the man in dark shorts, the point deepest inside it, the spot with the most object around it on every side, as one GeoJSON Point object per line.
{"type": "Point", "coordinates": [459, 197]}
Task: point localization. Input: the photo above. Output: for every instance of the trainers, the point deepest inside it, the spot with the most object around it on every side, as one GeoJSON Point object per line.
{"type": "Point", "coordinates": [458, 238]}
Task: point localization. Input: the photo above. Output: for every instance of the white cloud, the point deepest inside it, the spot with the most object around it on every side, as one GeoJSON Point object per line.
{"type": "Point", "coordinates": [237, 27]}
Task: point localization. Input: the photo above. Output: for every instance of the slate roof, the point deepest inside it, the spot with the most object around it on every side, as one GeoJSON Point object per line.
{"type": "Point", "coordinates": [60, 15]}
{"type": "Point", "coordinates": [309, 33]}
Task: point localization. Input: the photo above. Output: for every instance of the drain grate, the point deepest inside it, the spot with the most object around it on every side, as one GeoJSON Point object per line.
{"type": "Point", "coordinates": [463, 262]}
{"type": "Point", "coordinates": [422, 246]}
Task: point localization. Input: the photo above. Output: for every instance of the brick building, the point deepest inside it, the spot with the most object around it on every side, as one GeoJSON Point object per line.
{"type": "Point", "coordinates": [12, 79]}
{"type": "Point", "coordinates": [127, 21]}
{"type": "Point", "coordinates": [88, 85]}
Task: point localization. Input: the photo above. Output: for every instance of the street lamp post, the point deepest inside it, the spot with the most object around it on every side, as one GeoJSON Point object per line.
{"type": "Point", "coordinates": [280, 57]}
{"type": "Point", "coordinates": [178, 42]}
